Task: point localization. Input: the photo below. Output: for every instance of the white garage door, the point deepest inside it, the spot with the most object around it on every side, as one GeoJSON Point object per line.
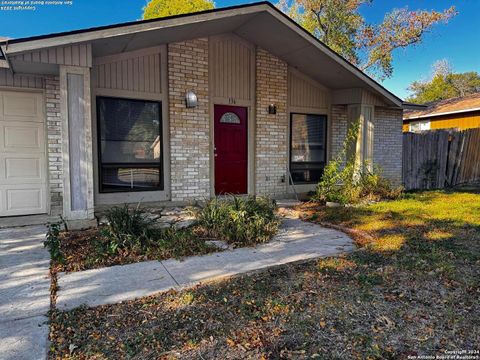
{"type": "Point", "coordinates": [23, 180]}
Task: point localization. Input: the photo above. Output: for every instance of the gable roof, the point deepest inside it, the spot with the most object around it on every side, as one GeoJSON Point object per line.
{"type": "Point", "coordinates": [260, 23]}
{"type": "Point", "coordinates": [446, 107]}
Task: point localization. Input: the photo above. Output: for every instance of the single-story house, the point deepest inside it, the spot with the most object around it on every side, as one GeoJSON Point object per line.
{"type": "Point", "coordinates": [458, 113]}
{"type": "Point", "coordinates": [235, 100]}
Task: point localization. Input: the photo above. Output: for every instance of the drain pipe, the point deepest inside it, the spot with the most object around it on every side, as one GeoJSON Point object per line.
{"type": "Point", "coordinates": [293, 185]}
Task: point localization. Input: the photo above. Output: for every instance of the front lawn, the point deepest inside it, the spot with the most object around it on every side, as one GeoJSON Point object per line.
{"type": "Point", "coordinates": [414, 289]}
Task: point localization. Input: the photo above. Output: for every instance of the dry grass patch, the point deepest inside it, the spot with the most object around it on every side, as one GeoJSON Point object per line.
{"type": "Point", "coordinates": [395, 298]}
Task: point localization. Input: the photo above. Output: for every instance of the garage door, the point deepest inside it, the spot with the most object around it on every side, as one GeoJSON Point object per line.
{"type": "Point", "coordinates": [23, 181]}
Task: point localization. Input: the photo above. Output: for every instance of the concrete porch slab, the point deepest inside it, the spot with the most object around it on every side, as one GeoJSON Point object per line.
{"type": "Point", "coordinates": [17, 221]}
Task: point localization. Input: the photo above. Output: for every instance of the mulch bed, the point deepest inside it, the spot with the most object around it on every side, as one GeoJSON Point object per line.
{"type": "Point", "coordinates": [79, 249]}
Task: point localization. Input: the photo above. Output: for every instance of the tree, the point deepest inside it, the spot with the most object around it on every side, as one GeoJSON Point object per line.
{"type": "Point", "coordinates": [339, 24]}
{"type": "Point", "coordinates": [444, 84]}
{"type": "Point", "coordinates": [161, 8]}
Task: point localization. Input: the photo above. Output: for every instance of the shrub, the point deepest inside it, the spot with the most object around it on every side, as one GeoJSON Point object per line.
{"type": "Point", "coordinates": [352, 183]}
{"type": "Point", "coordinates": [173, 243]}
{"type": "Point", "coordinates": [127, 227]}
{"type": "Point", "coordinates": [239, 220]}
{"type": "Point", "coordinates": [52, 242]}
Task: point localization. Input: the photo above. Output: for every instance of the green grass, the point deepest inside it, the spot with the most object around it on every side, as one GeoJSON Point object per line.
{"type": "Point", "coordinates": [412, 290]}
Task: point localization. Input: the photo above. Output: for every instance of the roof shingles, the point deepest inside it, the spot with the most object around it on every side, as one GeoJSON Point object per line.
{"type": "Point", "coordinates": [454, 105]}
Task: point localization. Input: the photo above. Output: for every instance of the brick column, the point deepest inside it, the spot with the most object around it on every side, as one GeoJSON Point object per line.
{"type": "Point", "coordinates": [271, 154]}
{"type": "Point", "coordinates": [189, 128]}
{"type": "Point", "coordinates": [388, 143]}
{"type": "Point", "coordinates": [54, 149]}
{"type": "Point", "coordinates": [338, 129]}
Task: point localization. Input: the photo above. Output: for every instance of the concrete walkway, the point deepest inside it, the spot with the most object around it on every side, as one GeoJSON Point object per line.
{"type": "Point", "coordinates": [297, 240]}
{"type": "Point", "coordinates": [24, 293]}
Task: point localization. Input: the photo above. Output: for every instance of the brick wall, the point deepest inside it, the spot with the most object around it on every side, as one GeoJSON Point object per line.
{"type": "Point", "coordinates": [387, 138]}
{"type": "Point", "coordinates": [338, 128]}
{"type": "Point", "coordinates": [54, 149]}
{"type": "Point", "coordinates": [189, 128]}
{"type": "Point", "coordinates": [387, 143]}
{"type": "Point", "coordinates": [271, 129]}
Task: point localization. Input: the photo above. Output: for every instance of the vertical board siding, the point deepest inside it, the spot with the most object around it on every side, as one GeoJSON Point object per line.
{"type": "Point", "coordinates": [306, 93]}
{"type": "Point", "coordinates": [369, 98]}
{"type": "Point", "coordinates": [21, 81]}
{"type": "Point", "coordinates": [73, 55]}
{"type": "Point", "coordinates": [137, 72]}
{"type": "Point", "coordinates": [438, 159]}
{"type": "Point", "coordinates": [231, 66]}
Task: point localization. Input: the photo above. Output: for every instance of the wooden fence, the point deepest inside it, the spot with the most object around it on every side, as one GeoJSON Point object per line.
{"type": "Point", "coordinates": [441, 158]}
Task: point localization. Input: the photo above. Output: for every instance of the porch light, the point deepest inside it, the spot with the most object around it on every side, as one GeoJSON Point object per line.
{"type": "Point", "coordinates": [191, 99]}
{"type": "Point", "coordinates": [272, 109]}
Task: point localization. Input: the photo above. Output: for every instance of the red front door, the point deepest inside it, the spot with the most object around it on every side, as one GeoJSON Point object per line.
{"type": "Point", "coordinates": [230, 149]}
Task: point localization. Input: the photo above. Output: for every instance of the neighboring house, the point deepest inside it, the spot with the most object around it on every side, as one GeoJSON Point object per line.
{"type": "Point", "coordinates": [457, 113]}
{"type": "Point", "coordinates": [100, 116]}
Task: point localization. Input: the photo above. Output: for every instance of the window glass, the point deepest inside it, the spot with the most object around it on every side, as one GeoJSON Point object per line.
{"type": "Point", "coordinates": [422, 125]}
{"type": "Point", "coordinates": [130, 144]}
{"type": "Point", "coordinates": [230, 118]}
{"type": "Point", "coordinates": [124, 178]}
{"type": "Point", "coordinates": [307, 147]}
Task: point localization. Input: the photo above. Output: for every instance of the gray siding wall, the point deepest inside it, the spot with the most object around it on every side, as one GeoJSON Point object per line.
{"type": "Point", "coordinates": [232, 64]}
{"type": "Point", "coordinates": [136, 72]}
{"type": "Point", "coordinates": [74, 55]}
{"type": "Point", "coordinates": [305, 93]}
{"type": "Point", "coordinates": [20, 81]}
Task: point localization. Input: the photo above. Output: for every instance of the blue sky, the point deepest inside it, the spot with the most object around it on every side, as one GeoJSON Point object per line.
{"type": "Point", "coordinates": [457, 41]}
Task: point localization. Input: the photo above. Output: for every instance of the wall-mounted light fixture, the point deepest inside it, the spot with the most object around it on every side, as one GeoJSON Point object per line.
{"type": "Point", "coordinates": [191, 99]}
{"type": "Point", "coordinates": [272, 109]}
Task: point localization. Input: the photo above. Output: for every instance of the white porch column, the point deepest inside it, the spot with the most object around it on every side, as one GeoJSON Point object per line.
{"type": "Point", "coordinates": [77, 143]}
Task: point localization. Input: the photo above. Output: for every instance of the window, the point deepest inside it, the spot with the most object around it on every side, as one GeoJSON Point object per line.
{"type": "Point", "coordinates": [422, 125]}
{"type": "Point", "coordinates": [307, 147]}
{"type": "Point", "coordinates": [230, 118]}
{"type": "Point", "coordinates": [130, 145]}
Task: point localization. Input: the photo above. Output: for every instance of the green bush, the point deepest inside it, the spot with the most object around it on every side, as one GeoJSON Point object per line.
{"type": "Point", "coordinates": [239, 220]}
{"type": "Point", "coordinates": [52, 242]}
{"type": "Point", "coordinates": [127, 228]}
{"type": "Point", "coordinates": [172, 243]}
{"type": "Point", "coordinates": [348, 182]}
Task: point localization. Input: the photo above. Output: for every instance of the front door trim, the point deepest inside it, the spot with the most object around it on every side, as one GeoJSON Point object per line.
{"type": "Point", "coordinates": [243, 164]}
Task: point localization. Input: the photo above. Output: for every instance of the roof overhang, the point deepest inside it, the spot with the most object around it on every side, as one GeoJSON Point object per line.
{"type": "Point", "coordinates": [3, 59]}
{"type": "Point", "coordinates": [260, 23]}
{"type": "Point", "coordinates": [412, 106]}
